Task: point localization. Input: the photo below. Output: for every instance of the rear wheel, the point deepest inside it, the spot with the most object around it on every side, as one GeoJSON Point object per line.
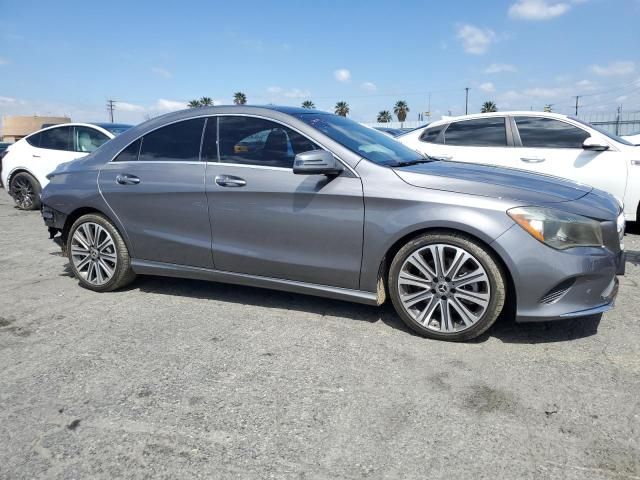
{"type": "Point", "coordinates": [25, 190]}
{"type": "Point", "coordinates": [447, 286]}
{"type": "Point", "coordinates": [98, 255]}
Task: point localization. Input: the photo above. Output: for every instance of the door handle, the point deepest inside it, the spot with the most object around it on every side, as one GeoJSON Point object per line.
{"type": "Point", "coordinates": [533, 159]}
{"type": "Point", "coordinates": [35, 156]}
{"type": "Point", "coordinates": [442, 157]}
{"type": "Point", "coordinates": [230, 181]}
{"type": "Point", "coordinates": [126, 179]}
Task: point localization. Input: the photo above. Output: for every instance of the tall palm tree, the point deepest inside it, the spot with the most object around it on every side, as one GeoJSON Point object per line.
{"type": "Point", "coordinates": [489, 107]}
{"type": "Point", "coordinates": [206, 101]}
{"type": "Point", "coordinates": [401, 109]}
{"type": "Point", "coordinates": [194, 104]}
{"type": "Point", "coordinates": [342, 109]}
{"type": "Point", "coordinates": [384, 116]}
{"type": "Point", "coordinates": [308, 104]}
{"type": "Point", "coordinates": [239, 98]}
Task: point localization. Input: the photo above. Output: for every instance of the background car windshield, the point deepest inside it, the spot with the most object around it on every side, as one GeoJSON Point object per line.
{"type": "Point", "coordinates": [603, 132]}
{"type": "Point", "coordinates": [371, 144]}
{"type": "Point", "coordinates": [116, 129]}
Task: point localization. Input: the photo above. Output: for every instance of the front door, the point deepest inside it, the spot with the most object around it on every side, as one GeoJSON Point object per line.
{"type": "Point", "coordinates": [269, 222]}
{"type": "Point", "coordinates": [156, 188]}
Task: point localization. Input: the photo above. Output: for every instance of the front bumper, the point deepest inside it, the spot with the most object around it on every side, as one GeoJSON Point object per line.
{"type": "Point", "coordinates": [53, 219]}
{"type": "Point", "coordinates": [554, 285]}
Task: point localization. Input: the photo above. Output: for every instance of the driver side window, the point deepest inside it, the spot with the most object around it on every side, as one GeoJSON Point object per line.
{"type": "Point", "coordinates": [256, 141]}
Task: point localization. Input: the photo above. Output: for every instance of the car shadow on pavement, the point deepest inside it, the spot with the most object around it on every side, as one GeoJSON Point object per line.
{"type": "Point", "coordinates": [506, 329]}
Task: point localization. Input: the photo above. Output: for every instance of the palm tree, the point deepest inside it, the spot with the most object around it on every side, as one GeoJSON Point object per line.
{"type": "Point", "coordinates": [384, 116]}
{"type": "Point", "coordinates": [342, 109]}
{"type": "Point", "coordinates": [308, 104]}
{"type": "Point", "coordinates": [206, 101]}
{"type": "Point", "coordinates": [401, 109]}
{"type": "Point", "coordinates": [239, 98]}
{"type": "Point", "coordinates": [489, 107]}
{"type": "Point", "coordinates": [194, 104]}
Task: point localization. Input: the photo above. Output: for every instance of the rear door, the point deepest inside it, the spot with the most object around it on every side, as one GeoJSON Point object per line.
{"type": "Point", "coordinates": [156, 188]}
{"type": "Point", "coordinates": [269, 222]}
{"type": "Point", "coordinates": [554, 147]}
{"type": "Point", "coordinates": [480, 140]}
{"type": "Point", "coordinates": [52, 147]}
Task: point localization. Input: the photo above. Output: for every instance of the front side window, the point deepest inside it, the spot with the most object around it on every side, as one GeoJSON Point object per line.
{"type": "Point", "coordinates": [549, 133]}
{"type": "Point", "coordinates": [430, 135]}
{"type": "Point", "coordinates": [129, 154]}
{"type": "Point", "coordinates": [87, 139]}
{"type": "Point", "coordinates": [179, 141]}
{"type": "Point", "coordinates": [481, 132]}
{"type": "Point", "coordinates": [256, 141]}
{"type": "Point", "coordinates": [57, 139]}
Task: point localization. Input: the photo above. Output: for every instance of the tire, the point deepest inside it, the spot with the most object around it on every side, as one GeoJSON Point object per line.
{"type": "Point", "coordinates": [25, 190]}
{"type": "Point", "coordinates": [473, 297]}
{"type": "Point", "coordinates": [98, 264]}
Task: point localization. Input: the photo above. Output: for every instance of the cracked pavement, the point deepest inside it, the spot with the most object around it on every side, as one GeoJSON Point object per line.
{"type": "Point", "coordinates": [185, 379]}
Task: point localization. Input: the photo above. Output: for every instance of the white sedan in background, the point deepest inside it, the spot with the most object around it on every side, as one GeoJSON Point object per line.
{"type": "Point", "coordinates": [633, 138]}
{"type": "Point", "coordinates": [547, 143]}
{"type": "Point", "coordinates": [26, 163]}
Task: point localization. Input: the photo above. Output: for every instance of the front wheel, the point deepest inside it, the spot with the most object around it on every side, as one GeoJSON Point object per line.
{"type": "Point", "coordinates": [98, 255]}
{"type": "Point", "coordinates": [25, 190]}
{"type": "Point", "coordinates": [447, 286]}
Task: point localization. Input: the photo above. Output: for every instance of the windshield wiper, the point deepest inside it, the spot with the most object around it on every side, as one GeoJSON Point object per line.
{"type": "Point", "coordinates": [415, 162]}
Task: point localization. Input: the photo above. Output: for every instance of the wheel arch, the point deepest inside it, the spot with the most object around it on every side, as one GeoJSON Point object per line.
{"type": "Point", "coordinates": [385, 263]}
{"type": "Point", "coordinates": [18, 170]}
{"type": "Point", "coordinates": [79, 212]}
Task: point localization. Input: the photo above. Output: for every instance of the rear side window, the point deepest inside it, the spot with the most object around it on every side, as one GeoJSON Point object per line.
{"type": "Point", "coordinates": [481, 132]}
{"type": "Point", "coordinates": [255, 141]}
{"type": "Point", "coordinates": [34, 140]}
{"type": "Point", "coordinates": [57, 139]}
{"type": "Point", "coordinates": [430, 135]}
{"type": "Point", "coordinates": [129, 154]}
{"type": "Point", "coordinates": [549, 133]}
{"type": "Point", "coordinates": [176, 142]}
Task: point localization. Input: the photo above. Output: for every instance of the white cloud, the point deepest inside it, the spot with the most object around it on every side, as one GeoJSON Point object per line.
{"type": "Point", "coordinates": [586, 85]}
{"type": "Point", "coordinates": [274, 89]}
{"type": "Point", "coordinates": [614, 69]}
{"type": "Point", "coordinates": [342, 75]}
{"type": "Point", "coordinates": [162, 72]}
{"type": "Point", "coordinates": [487, 87]}
{"type": "Point", "coordinates": [165, 105]}
{"type": "Point", "coordinates": [129, 107]}
{"type": "Point", "coordinates": [297, 93]}
{"type": "Point", "coordinates": [10, 101]}
{"type": "Point", "coordinates": [500, 67]}
{"type": "Point", "coordinates": [622, 98]}
{"type": "Point", "coordinates": [538, 9]}
{"type": "Point", "coordinates": [542, 92]}
{"type": "Point", "coordinates": [369, 86]}
{"type": "Point", "coordinates": [475, 40]}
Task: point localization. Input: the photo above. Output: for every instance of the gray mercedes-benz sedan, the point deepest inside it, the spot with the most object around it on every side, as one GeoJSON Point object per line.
{"type": "Point", "coordinates": [311, 202]}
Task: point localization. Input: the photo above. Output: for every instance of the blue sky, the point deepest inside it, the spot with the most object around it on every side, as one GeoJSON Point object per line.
{"type": "Point", "coordinates": [69, 57]}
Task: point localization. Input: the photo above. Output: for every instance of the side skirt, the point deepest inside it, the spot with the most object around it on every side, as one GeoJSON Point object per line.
{"type": "Point", "coordinates": [148, 267]}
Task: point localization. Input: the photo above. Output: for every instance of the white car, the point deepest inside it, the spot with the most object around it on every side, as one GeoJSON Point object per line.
{"type": "Point", "coordinates": [26, 163]}
{"type": "Point", "coordinates": [633, 138]}
{"type": "Point", "coordinates": [547, 143]}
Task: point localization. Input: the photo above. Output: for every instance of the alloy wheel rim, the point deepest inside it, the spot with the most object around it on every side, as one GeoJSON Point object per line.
{"type": "Point", "coordinates": [93, 253]}
{"type": "Point", "coordinates": [444, 288]}
{"type": "Point", "coordinates": [23, 193]}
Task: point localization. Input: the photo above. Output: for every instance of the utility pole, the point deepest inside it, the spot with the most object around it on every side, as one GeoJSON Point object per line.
{"type": "Point", "coordinates": [618, 120]}
{"type": "Point", "coordinates": [466, 101]}
{"type": "Point", "coordinates": [577, 98]}
{"type": "Point", "coordinates": [111, 106]}
{"type": "Point", "coordinates": [429, 107]}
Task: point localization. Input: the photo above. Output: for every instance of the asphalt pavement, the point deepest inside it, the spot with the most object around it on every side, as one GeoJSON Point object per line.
{"type": "Point", "coordinates": [175, 378]}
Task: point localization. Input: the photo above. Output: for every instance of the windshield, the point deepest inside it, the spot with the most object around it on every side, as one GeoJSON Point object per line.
{"type": "Point", "coordinates": [367, 142]}
{"type": "Point", "coordinates": [116, 129]}
{"type": "Point", "coordinates": [604, 132]}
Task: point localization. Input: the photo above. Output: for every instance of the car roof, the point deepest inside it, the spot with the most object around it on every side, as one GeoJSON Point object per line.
{"type": "Point", "coordinates": [529, 113]}
{"type": "Point", "coordinates": [112, 125]}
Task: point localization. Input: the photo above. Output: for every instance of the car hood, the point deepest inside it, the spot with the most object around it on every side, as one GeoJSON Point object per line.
{"type": "Point", "coordinates": [488, 181]}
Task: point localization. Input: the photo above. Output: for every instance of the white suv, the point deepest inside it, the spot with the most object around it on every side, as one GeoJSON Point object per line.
{"type": "Point", "coordinates": [26, 163]}
{"type": "Point", "coordinates": [546, 143]}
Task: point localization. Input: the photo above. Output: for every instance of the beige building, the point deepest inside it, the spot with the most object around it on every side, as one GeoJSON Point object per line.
{"type": "Point", "coordinates": [15, 127]}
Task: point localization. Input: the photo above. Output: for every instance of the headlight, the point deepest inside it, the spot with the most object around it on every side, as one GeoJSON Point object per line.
{"type": "Point", "coordinates": [558, 229]}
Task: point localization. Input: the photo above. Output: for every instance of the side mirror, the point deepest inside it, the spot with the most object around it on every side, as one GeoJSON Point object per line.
{"type": "Point", "coordinates": [316, 162]}
{"type": "Point", "coordinates": [594, 145]}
